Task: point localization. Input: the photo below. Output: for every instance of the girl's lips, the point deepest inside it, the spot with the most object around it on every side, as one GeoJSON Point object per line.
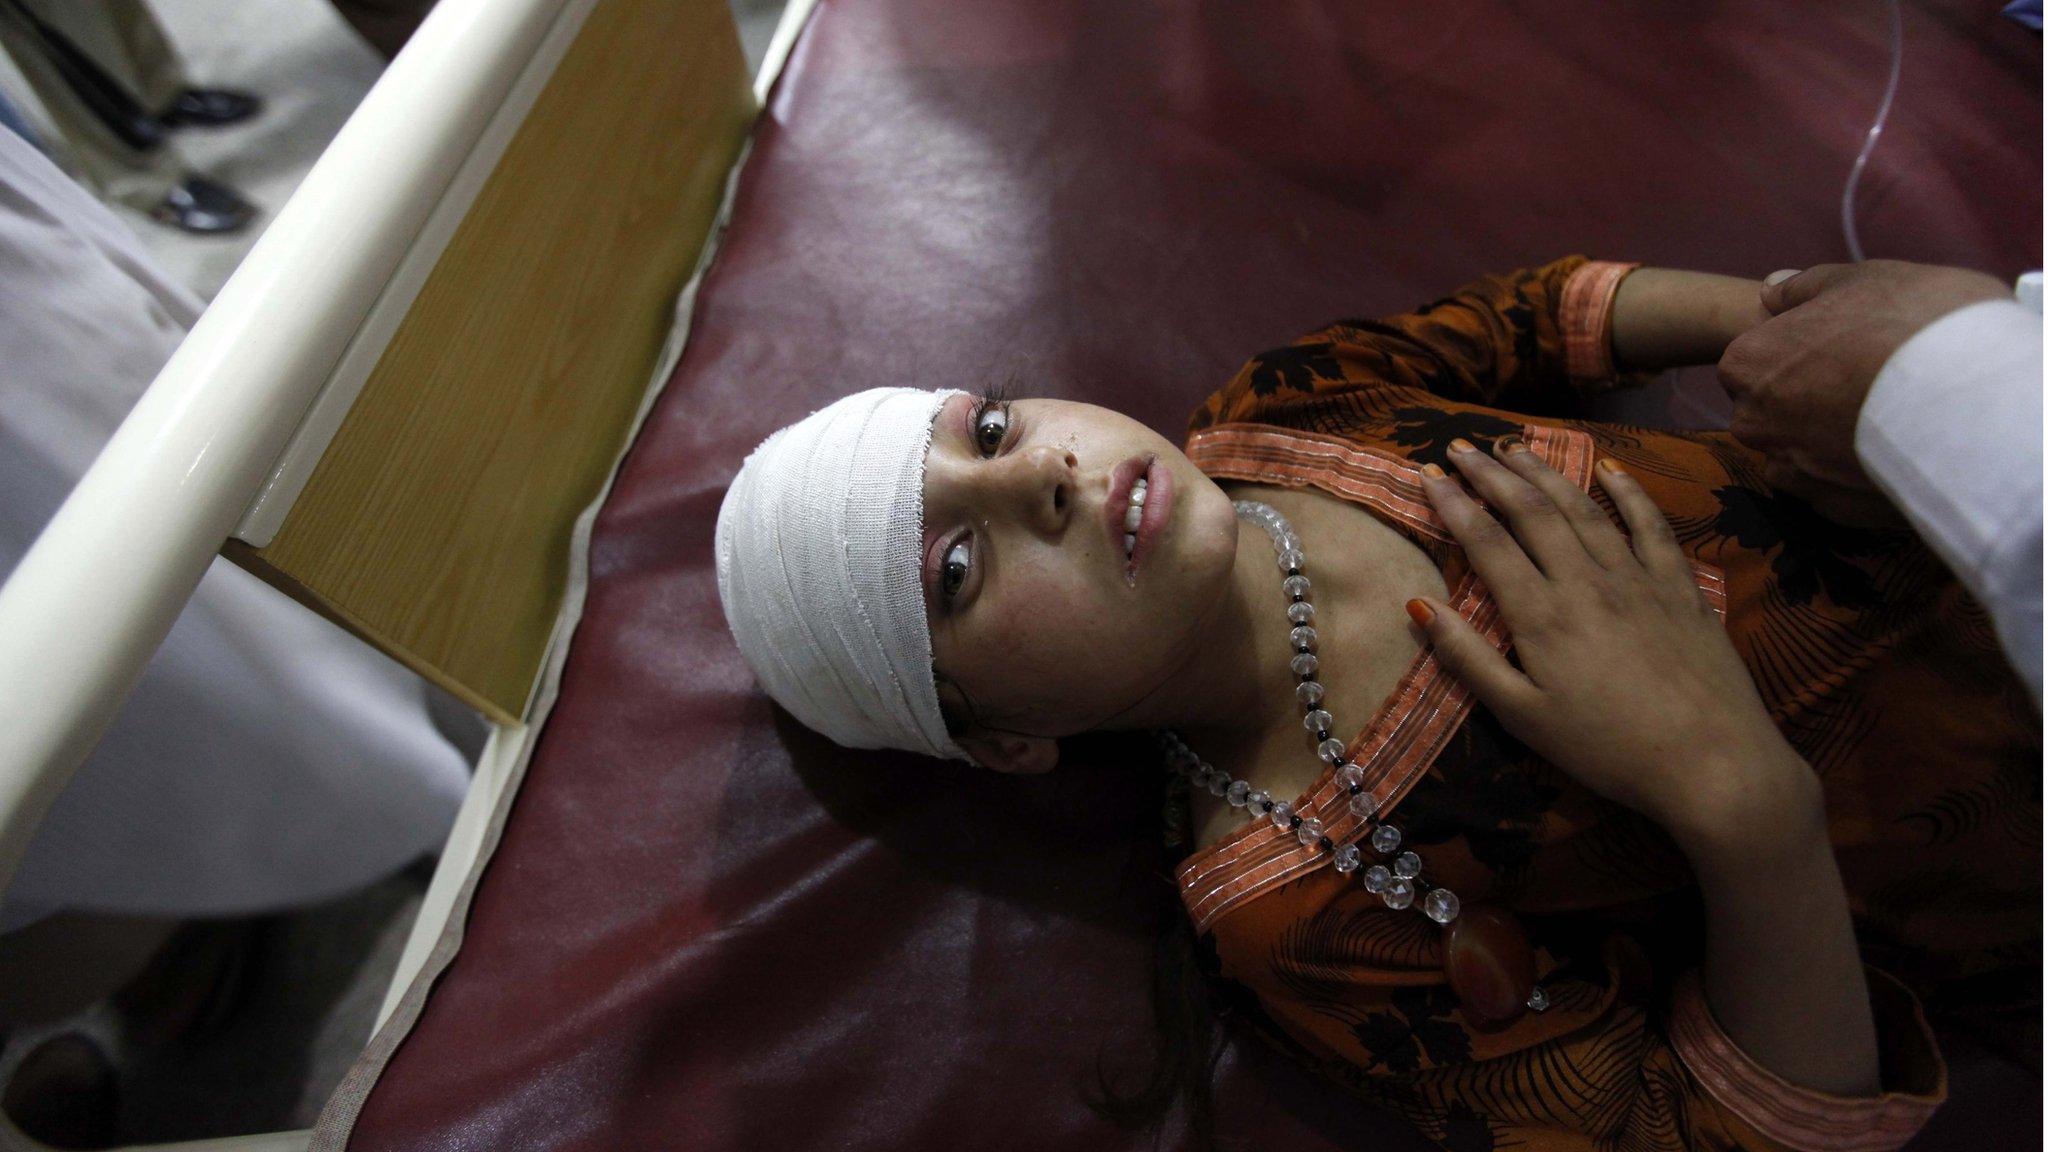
{"type": "Point", "coordinates": [1121, 479]}
{"type": "Point", "coordinates": [1152, 522]}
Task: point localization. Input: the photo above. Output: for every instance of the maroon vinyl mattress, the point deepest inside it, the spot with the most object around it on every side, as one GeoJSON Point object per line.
{"type": "Point", "coordinates": [706, 928]}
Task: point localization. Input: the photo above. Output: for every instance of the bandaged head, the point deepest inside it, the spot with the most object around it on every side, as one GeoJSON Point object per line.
{"type": "Point", "coordinates": [820, 574]}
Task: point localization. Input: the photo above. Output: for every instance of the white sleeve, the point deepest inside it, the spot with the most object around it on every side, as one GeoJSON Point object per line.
{"type": "Point", "coordinates": [1951, 432]}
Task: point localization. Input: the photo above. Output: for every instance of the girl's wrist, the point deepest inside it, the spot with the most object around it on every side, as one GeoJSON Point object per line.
{"type": "Point", "coordinates": [1749, 805]}
{"type": "Point", "coordinates": [1664, 317]}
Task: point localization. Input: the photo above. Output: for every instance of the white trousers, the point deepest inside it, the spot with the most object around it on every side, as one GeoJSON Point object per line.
{"type": "Point", "coordinates": [266, 759]}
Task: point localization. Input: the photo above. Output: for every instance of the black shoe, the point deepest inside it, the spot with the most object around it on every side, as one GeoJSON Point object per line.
{"type": "Point", "coordinates": [204, 206]}
{"type": "Point", "coordinates": [209, 108]}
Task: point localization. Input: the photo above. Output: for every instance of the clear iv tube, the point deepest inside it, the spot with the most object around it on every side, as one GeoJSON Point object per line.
{"type": "Point", "coordinates": [1884, 111]}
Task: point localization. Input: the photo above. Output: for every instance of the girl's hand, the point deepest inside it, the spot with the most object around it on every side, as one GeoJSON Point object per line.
{"type": "Point", "coordinates": [1627, 682]}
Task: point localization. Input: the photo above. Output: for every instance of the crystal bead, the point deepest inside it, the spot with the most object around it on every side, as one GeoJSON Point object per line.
{"type": "Point", "coordinates": [1399, 894]}
{"type": "Point", "coordinates": [1440, 905]}
{"type": "Point", "coordinates": [1407, 865]}
{"type": "Point", "coordinates": [1303, 664]}
{"type": "Point", "coordinates": [1291, 559]}
{"type": "Point", "coordinates": [1538, 999]}
{"type": "Point", "coordinates": [1238, 793]}
{"type": "Point", "coordinates": [1309, 692]}
{"type": "Point", "coordinates": [1363, 805]}
{"type": "Point", "coordinates": [1316, 720]}
{"type": "Point", "coordinates": [1311, 830]}
{"type": "Point", "coordinates": [1331, 750]}
{"type": "Point", "coordinates": [1377, 878]}
{"type": "Point", "coordinates": [1288, 541]}
{"type": "Point", "coordinates": [1257, 800]}
{"type": "Point", "coordinates": [1347, 858]}
{"type": "Point", "coordinates": [1385, 839]}
{"type": "Point", "coordinates": [1283, 814]}
{"type": "Point", "coordinates": [1219, 784]}
{"type": "Point", "coordinates": [1301, 637]}
{"type": "Point", "coordinates": [1301, 613]}
{"type": "Point", "coordinates": [1295, 586]}
{"type": "Point", "coordinates": [1349, 774]}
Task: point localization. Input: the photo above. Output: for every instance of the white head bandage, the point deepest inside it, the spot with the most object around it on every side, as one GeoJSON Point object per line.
{"type": "Point", "coordinates": [820, 572]}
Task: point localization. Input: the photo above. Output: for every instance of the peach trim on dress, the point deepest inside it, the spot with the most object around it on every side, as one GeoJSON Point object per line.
{"type": "Point", "coordinates": [1414, 723]}
{"type": "Point", "coordinates": [1395, 749]}
{"type": "Point", "coordinates": [1585, 310]}
{"type": "Point", "coordinates": [1263, 454]}
{"type": "Point", "coordinates": [1374, 477]}
{"type": "Point", "coordinates": [1381, 480]}
{"type": "Point", "coordinates": [1799, 1117]}
{"type": "Point", "coordinates": [1567, 451]}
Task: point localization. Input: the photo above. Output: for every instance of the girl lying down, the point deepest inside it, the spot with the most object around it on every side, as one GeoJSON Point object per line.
{"type": "Point", "coordinates": [1555, 785]}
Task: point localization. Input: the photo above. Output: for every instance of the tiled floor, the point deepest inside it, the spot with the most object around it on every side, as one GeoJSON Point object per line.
{"type": "Point", "coordinates": [312, 70]}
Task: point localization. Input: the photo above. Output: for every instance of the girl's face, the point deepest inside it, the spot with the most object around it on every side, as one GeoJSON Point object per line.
{"type": "Point", "coordinates": [1044, 621]}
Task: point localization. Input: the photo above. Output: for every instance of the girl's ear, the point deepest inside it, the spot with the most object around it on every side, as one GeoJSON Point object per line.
{"type": "Point", "coordinates": [1009, 752]}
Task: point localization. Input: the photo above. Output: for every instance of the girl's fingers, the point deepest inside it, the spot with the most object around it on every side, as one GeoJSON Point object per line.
{"type": "Point", "coordinates": [1538, 522]}
{"type": "Point", "coordinates": [1655, 544]}
{"type": "Point", "coordinates": [1596, 532]}
{"type": "Point", "coordinates": [1478, 665]}
{"type": "Point", "coordinates": [1490, 547]}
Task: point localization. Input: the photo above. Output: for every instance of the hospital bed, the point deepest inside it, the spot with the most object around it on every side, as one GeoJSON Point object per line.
{"type": "Point", "coordinates": [476, 393]}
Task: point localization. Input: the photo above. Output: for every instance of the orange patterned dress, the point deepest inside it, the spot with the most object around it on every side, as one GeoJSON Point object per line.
{"type": "Point", "coordinates": [1874, 662]}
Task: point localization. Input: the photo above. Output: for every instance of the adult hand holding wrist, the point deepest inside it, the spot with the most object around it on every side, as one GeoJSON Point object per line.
{"type": "Point", "coordinates": [1799, 379]}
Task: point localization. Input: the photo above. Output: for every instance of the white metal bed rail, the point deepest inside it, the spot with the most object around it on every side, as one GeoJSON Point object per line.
{"type": "Point", "coordinates": [97, 593]}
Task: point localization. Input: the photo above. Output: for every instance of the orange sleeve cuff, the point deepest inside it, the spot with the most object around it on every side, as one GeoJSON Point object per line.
{"type": "Point", "coordinates": [1914, 1074]}
{"type": "Point", "coordinates": [1586, 314]}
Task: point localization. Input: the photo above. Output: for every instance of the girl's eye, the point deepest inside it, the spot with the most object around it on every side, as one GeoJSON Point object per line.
{"type": "Point", "coordinates": [953, 572]}
{"type": "Point", "coordinates": [991, 424]}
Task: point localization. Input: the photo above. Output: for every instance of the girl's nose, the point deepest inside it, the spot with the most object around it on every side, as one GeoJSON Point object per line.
{"type": "Point", "coordinates": [1042, 481]}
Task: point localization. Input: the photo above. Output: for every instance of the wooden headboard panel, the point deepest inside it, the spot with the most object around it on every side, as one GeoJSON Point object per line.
{"type": "Point", "coordinates": [436, 523]}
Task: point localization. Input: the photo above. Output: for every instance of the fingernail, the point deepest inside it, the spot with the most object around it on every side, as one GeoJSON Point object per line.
{"type": "Point", "coordinates": [1508, 445]}
{"type": "Point", "coordinates": [1607, 464]}
{"type": "Point", "coordinates": [1432, 471]}
{"type": "Point", "coordinates": [1462, 445]}
{"type": "Point", "coordinates": [1420, 613]}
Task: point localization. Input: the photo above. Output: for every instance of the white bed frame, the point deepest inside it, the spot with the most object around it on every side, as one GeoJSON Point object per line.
{"type": "Point", "coordinates": [225, 440]}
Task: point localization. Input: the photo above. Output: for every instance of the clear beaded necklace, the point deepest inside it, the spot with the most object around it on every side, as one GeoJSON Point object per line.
{"type": "Point", "coordinates": [1397, 882]}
